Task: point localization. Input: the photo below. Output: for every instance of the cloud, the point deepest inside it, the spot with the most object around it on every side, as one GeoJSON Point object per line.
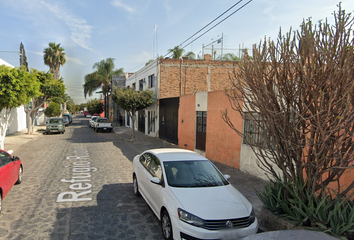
{"type": "Point", "coordinates": [75, 60]}
{"type": "Point", "coordinates": [80, 30]}
{"type": "Point", "coordinates": [119, 4]}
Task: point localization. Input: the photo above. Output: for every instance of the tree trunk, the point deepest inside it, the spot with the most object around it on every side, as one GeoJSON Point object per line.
{"type": "Point", "coordinates": [132, 116]}
{"type": "Point", "coordinates": [4, 122]}
{"type": "Point", "coordinates": [29, 121]}
{"type": "Point", "coordinates": [31, 113]}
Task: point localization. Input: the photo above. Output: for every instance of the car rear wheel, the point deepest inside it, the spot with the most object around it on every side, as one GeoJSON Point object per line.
{"type": "Point", "coordinates": [136, 186]}
{"type": "Point", "coordinates": [166, 226]}
{"type": "Point", "coordinates": [96, 129]}
{"type": "Point", "coordinates": [19, 179]}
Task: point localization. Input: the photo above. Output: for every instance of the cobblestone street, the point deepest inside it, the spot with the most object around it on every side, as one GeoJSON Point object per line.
{"type": "Point", "coordinates": [78, 185]}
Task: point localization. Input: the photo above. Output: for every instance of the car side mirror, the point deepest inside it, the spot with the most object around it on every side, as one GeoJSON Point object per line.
{"type": "Point", "coordinates": [227, 177]}
{"type": "Point", "coordinates": [15, 158]}
{"type": "Point", "coordinates": [155, 180]}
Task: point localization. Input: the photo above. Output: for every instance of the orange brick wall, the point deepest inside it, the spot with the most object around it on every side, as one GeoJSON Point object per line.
{"type": "Point", "coordinates": [186, 129]}
{"type": "Point", "coordinates": [194, 76]}
{"type": "Point", "coordinates": [222, 143]}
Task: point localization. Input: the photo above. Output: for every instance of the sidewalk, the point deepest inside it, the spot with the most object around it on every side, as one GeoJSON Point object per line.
{"type": "Point", "coordinates": [15, 140]}
{"type": "Point", "coordinates": [244, 182]}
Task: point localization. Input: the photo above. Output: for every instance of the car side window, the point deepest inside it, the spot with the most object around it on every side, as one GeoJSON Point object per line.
{"type": "Point", "coordinates": [146, 161]}
{"type": "Point", "coordinates": [4, 158]}
{"type": "Point", "coordinates": [155, 167]}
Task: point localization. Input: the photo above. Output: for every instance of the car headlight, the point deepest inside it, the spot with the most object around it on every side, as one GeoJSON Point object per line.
{"type": "Point", "coordinates": [190, 218]}
{"type": "Point", "coordinates": [252, 216]}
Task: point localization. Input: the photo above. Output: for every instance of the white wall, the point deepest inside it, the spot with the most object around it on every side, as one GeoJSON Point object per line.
{"type": "Point", "coordinates": [144, 73]}
{"type": "Point", "coordinates": [17, 120]}
{"type": "Point", "coordinates": [201, 101]}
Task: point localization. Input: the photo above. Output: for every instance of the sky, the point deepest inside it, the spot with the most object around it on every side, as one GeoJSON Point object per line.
{"type": "Point", "coordinates": [135, 31]}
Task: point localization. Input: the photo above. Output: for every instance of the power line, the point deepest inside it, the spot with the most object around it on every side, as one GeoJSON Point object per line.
{"type": "Point", "coordinates": [211, 22]}
{"type": "Point", "coordinates": [206, 27]}
{"type": "Point", "coordinates": [219, 22]}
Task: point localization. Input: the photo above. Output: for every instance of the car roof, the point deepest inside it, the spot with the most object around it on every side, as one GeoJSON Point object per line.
{"type": "Point", "coordinates": [55, 118]}
{"type": "Point", "coordinates": [175, 154]}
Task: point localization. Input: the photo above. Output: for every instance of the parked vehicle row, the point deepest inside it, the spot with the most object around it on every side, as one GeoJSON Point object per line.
{"type": "Point", "coordinates": [100, 124]}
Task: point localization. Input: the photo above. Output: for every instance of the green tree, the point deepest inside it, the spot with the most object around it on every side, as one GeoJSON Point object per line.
{"type": "Point", "coordinates": [133, 101]}
{"type": "Point", "coordinates": [49, 88]}
{"type": "Point", "coordinates": [101, 78]}
{"type": "Point", "coordinates": [53, 110]}
{"type": "Point", "coordinates": [230, 57]}
{"type": "Point", "coordinates": [95, 106]}
{"type": "Point", "coordinates": [71, 106]}
{"type": "Point", "coordinates": [54, 57]}
{"type": "Point", "coordinates": [23, 57]}
{"type": "Point", "coordinates": [82, 106]}
{"type": "Point", "coordinates": [177, 52]}
{"type": "Point", "coordinates": [17, 87]}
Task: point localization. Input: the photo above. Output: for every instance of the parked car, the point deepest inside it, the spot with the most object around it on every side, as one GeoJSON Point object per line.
{"type": "Point", "coordinates": [191, 197]}
{"type": "Point", "coordinates": [92, 120]}
{"type": "Point", "coordinates": [69, 116]}
{"type": "Point", "coordinates": [102, 124]}
{"type": "Point", "coordinates": [55, 124]}
{"type": "Point", "coordinates": [88, 115]}
{"type": "Point", "coordinates": [66, 121]}
{"type": "Point", "coordinates": [11, 171]}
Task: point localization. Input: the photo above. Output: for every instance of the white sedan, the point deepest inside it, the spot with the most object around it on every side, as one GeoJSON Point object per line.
{"type": "Point", "coordinates": [191, 197]}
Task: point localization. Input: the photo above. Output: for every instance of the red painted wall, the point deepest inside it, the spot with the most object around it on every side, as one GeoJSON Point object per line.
{"type": "Point", "coordinates": [186, 129]}
{"type": "Point", "coordinates": [222, 143]}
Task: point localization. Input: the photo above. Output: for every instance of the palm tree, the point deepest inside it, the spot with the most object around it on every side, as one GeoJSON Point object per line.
{"type": "Point", "coordinates": [101, 78]}
{"type": "Point", "coordinates": [177, 52]}
{"type": "Point", "coordinates": [54, 57]}
{"type": "Point", "coordinates": [189, 55]}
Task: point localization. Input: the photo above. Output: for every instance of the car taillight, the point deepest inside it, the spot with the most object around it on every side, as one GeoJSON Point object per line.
{"type": "Point", "coordinates": [111, 125]}
{"type": "Point", "coordinates": [98, 124]}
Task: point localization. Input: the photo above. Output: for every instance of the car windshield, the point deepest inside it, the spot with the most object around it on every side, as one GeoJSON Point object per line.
{"type": "Point", "coordinates": [102, 120]}
{"type": "Point", "coordinates": [54, 121]}
{"type": "Point", "coordinates": [94, 118]}
{"type": "Point", "coordinates": [193, 174]}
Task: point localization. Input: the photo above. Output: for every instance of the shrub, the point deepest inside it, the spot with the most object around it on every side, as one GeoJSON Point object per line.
{"type": "Point", "coordinates": [320, 212]}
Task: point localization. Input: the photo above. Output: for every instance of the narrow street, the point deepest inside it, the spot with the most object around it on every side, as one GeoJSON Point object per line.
{"type": "Point", "coordinates": [77, 185]}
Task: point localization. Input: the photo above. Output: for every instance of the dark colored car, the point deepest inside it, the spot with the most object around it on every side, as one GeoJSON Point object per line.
{"type": "Point", "coordinates": [69, 116]}
{"type": "Point", "coordinates": [66, 120]}
{"type": "Point", "coordinates": [11, 170]}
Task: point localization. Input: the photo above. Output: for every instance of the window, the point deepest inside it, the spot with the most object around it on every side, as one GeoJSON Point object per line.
{"type": "Point", "coordinates": [4, 158]}
{"type": "Point", "coordinates": [254, 132]}
{"type": "Point", "coordinates": [155, 167]}
{"type": "Point", "coordinates": [145, 160]}
{"type": "Point", "coordinates": [133, 86]}
{"type": "Point", "coordinates": [151, 81]}
{"type": "Point", "coordinates": [141, 84]}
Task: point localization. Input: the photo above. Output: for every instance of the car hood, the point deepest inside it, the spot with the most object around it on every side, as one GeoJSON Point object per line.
{"type": "Point", "coordinates": [221, 202]}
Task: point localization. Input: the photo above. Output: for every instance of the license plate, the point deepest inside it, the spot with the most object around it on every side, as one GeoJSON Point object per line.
{"type": "Point", "coordinates": [104, 128]}
{"type": "Point", "coordinates": [54, 130]}
{"type": "Point", "coordinates": [229, 235]}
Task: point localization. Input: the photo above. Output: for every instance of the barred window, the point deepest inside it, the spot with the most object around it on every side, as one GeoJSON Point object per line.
{"type": "Point", "coordinates": [252, 133]}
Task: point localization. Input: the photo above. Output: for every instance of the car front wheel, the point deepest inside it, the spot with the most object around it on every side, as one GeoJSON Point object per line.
{"type": "Point", "coordinates": [136, 186]}
{"type": "Point", "coordinates": [19, 179]}
{"type": "Point", "coordinates": [166, 226]}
